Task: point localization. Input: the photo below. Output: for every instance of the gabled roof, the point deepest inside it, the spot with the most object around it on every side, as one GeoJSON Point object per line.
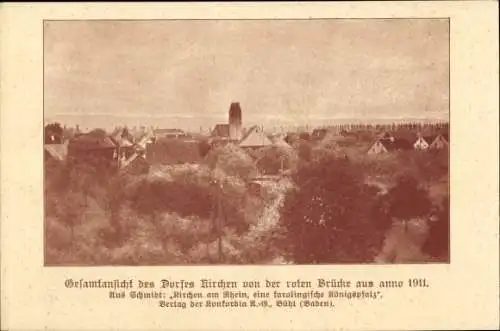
{"type": "Point", "coordinates": [254, 138]}
{"type": "Point", "coordinates": [57, 151]}
{"type": "Point", "coordinates": [121, 141]}
{"type": "Point", "coordinates": [279, 140]}
{"type": "Point", "coordinates": [221, 130]}
{"type": "Point", "coordinates": [445, 136]}
{"type": "Point", "coordinates": [92, 142]}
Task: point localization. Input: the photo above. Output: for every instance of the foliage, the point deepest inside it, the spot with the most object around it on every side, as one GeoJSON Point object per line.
{"type": "Point", "coordinates": [438, 241]}
{"type": "Point", "coordinates": [337, 207]}
{"type": "Point", "coordinates": [304, 150]}
{"type": "Point", "coordinates": [327, 219]}
{"type": "Point", "coordinates": [407, 200]}
{"type": "Point", "coordinates": [233, 161]}
{"type": "Point", "coordinates": [204, 147]}
{"type": "Point", "coordinates": [275, 158]}
{"type": "Point", "coordinates": [53, 133]}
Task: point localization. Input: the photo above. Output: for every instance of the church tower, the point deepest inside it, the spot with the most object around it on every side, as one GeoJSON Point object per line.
{"type": "Point", "coordinates": [235, 131]}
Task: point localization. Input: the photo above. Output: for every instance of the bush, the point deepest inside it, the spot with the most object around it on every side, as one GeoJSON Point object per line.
{"type": "Point", "coordinates": [275, 158]}
{"type": "Point", "coordinates": [233, 161]}
{"type": "Point", "coordinates": [407, 200]}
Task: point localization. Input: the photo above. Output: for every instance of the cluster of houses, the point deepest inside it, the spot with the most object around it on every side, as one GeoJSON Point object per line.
{"type": "Point", "coordinates": [161, 146]}
{"type": "Point", "coordinates": [118, 150]}
{"type": "Point", "coordinates": [403, 141]}
{"type": "Point", "coordinates": [135, 154]}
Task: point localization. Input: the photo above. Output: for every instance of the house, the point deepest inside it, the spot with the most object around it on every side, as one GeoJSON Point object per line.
{"type": "Point", "coordinates": [255, 138]}
{"type": "Point", "coordinates": [94, 145]}
{"type": "Point", "coordinates": [439, 142]}
{"type": "Point", "coordinates": [169, 133]}
{"type": "Point", "coordinates": [378, 148]}
{"type": "Point", "coordinates": [421, 144]}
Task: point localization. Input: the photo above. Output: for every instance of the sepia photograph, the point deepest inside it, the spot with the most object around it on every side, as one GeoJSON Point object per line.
{"type": "Point", "coordinates": [246, 141]}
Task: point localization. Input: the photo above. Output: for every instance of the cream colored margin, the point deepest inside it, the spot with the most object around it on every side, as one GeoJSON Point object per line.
{"type": "Point", "coordinates": [464, 294]}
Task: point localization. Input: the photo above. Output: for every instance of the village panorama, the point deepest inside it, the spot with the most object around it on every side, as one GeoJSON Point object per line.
{"type": "Point", "coordinates": [247, 194]}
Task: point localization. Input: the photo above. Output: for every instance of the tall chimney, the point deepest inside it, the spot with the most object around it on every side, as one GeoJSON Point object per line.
{"type": "Point", "coordinates": [235, 121]}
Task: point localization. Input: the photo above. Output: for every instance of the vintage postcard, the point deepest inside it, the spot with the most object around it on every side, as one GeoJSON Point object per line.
{"type": "Point", "coordinates": [250, 166]}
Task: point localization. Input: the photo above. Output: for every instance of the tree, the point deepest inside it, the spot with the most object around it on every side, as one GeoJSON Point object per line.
{"type": "Point", "coordinates": [407, 200]}
{"type": "Point", "coordinates": [53, 133]}
{"type": "Point", "coordinates": [327, 218]}
{"type": "Point", "coordinates": [438, 240]}
{"type": "Point", "coordinates": [275, 158]}
{"type": "Point", "coordinates": [233, 161]}
{"type": "Point", "coordinates": [304, 150]}
{"type": "Point", "coordinates": [71, 211]}
{"type": "Point", "coordinates": [204, 147]}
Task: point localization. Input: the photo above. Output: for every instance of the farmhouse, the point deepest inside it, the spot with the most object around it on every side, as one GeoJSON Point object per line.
{"type": "Point", "coordinates": [93, 145]}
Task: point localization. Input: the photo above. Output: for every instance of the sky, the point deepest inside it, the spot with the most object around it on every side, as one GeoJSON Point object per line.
{"type": "Point", "coordinates": [281, 71]}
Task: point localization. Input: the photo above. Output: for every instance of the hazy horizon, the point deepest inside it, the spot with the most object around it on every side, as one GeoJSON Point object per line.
{"type": "Point", "coordinates": [281, 71]}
